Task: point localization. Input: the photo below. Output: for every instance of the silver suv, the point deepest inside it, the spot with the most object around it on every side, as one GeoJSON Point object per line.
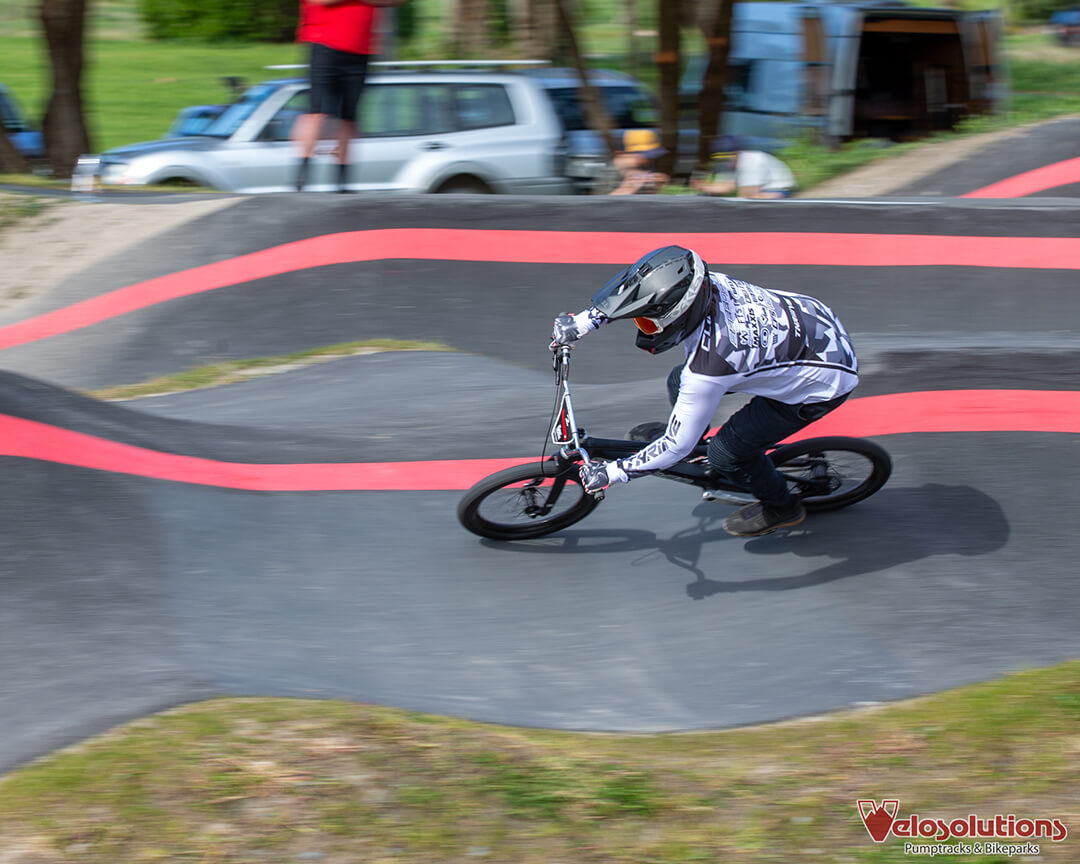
{"type": "Point", "coordinates": [422, 132]}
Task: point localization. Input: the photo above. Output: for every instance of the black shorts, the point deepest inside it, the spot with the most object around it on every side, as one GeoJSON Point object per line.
{"type": "Point", "coordinates": [337, 80]}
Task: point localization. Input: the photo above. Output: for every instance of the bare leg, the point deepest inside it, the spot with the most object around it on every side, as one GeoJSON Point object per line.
{"type": "Point", "coordinates": [305, 133]}
{"type": "Point", "coordinates": [345, 133]}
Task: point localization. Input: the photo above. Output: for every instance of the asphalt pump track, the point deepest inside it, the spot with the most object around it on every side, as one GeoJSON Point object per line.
{"type": "Point", "coordinates": [294, 535]}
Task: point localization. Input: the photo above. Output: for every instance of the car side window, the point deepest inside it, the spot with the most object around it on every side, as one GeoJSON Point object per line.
{"type": "Point", "coordinates": [481, 106]}
{"type": "Point", "coordinates": [568, 106]}
{"type": "Point", "coordinates": [631, 108]}
{"type": "Point", "coordinates": [401, 110]}
{"type": "Point", "coordinates": [280, 126]}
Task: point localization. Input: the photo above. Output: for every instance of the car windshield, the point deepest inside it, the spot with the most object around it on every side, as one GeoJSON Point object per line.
{"type": "Point", "coordinates": [231, 118]}
{"type": "Point", "coordinates": [629, 107]}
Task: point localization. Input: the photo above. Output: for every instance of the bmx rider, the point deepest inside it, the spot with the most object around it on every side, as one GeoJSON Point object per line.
{"type": "Point", "coordinates": [789, 351]}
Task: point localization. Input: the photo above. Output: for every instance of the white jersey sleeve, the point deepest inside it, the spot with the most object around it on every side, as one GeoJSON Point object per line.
{"type": "Point", "coordinates": [699, 397]}
{"type": "Point", "coordinates": [589, 319]}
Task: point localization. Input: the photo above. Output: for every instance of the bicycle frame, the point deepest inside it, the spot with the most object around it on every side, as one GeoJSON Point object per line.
{"type": "Point", "coordinates": [519, 502]}
{"type": "Point", "coordinates": [576, 443]}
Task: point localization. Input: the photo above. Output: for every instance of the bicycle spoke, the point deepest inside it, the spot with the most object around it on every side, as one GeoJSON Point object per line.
{"type": "Point", "coordinates": [819, 474]}
{"type": "Point", "coordinates": [534, 501]}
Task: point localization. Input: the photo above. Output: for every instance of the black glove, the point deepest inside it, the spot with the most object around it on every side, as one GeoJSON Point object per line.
{"type": "Point", "coordinates": [565, 330]}
{"type": "Point", "coordinates": [594, 476]}
{"type": "Point", "coordinates": [597, 476]}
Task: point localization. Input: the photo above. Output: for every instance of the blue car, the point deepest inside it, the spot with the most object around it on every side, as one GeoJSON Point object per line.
{"type": "Point", "coordinates": [629, 103]}
{"type": "Point", "coordinates": [1066, 24]}
{"type": "Point", "coordinates": [26, 139]}
{"type": "Point", "coordinates": [194, 120]}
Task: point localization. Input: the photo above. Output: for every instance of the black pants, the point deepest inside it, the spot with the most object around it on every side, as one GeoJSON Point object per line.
{"type": "Point", "coordinates": [737, 451]}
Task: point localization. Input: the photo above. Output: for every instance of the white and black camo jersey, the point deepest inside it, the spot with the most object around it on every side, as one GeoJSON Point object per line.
{"type": "Point", "coordinates": [788, 347]}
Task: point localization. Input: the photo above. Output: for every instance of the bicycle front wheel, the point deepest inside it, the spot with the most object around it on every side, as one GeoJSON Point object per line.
{"type": "Point", "coordinates": [832, 472]}
{"type": "Point", "coordinates": [526, 501]}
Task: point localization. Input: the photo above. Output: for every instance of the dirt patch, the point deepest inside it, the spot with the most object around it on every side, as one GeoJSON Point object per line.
{"type": "Point", "coordinates": [65, 238]}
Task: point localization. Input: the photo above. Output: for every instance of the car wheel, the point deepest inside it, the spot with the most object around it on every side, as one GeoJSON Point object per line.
{"type": "Point", "coordinates": [464, 186]}
{"type": "Point", "coordinates": [176, 181]}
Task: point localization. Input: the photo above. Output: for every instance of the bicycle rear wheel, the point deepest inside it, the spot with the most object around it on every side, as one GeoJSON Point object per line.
{"type": "Point", "coordinates": [833, 472]}
{"type": "Point", "coordinates": [526, 501]}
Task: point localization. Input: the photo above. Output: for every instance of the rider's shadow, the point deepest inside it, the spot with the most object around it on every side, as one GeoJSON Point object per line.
{"type": "Point", "coordinates": [904, 525]}
{"type": "Point", "coordinates": [908, 525]}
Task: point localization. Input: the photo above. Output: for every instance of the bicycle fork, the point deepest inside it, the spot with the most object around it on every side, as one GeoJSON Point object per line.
{"type": "Point", "coordinates": [564, 431]}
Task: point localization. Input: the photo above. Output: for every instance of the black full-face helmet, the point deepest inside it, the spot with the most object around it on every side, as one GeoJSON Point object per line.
{"type": "Point", "coordinates": [666, 293]}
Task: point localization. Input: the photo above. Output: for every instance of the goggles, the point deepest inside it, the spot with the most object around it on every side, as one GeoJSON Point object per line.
{"type": "Point", "coordinates": [648, 326]}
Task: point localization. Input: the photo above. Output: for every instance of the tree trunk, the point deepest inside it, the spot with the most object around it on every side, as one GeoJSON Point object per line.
{"type": "Point", "coordinates": [470, 28]}
{"type": "Point", "coordinates": [711, 106]}
{"type": "Point", "coordinates": [11, 160]}
{"type": "Point", "coordinates": [64, 125]}
{"type": "Point", "coordinates": [517, 12]}
{"type": "Point", "coordinates": [596, 115]}
{"type": "Point", "coordinates": [540, 29]}
{"type": "Point", "coordinates": [667, 58]}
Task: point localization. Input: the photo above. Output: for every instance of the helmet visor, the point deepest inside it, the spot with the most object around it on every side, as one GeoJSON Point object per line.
{"type": "Point", "coordinates": [610, 297]}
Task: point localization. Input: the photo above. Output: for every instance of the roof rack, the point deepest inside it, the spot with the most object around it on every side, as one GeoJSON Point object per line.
{"type": "Point", "coordinates": [433, 64]}
{"type": "Point", "coordinates": [478, 64]}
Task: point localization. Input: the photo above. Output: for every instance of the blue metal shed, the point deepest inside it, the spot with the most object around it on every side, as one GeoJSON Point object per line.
{"type": "Point", "coordinates": [854, 70]}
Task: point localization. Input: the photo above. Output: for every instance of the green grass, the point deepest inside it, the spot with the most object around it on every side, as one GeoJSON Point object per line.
{"type": "Point", "coordinates": [134, 89]}
{"type": "Point", "coordinates": [21, 208]}
{"type": "Point", "coordinates": [242, 780]}
{"type": "Point", "coordinates": [229, 372]}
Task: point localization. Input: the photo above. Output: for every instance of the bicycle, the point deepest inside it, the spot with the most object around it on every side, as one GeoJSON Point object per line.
{"type": "Point", "coordinates": [540, 498]}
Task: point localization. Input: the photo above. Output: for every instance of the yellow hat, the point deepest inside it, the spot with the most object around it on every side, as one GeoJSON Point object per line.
{"type": "Point", "coordinates": [642, 141]}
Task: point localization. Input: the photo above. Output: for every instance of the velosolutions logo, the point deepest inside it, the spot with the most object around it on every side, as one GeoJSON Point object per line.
{"type": "Point", "coordinates": [882, 819]}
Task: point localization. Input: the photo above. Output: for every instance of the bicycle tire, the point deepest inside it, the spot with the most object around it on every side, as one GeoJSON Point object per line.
{"type": "Point", "coordinates": [793, 458]}
{"type": "Point", "coordinates": [565, 478]}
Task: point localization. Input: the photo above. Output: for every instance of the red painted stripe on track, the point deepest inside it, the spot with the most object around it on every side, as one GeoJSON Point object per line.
{"type": "Point", "coordinates": [902, 413]}
{"type": "Point", "coordinates": [952, 411]}
{"type": "Point", "coordinates": [1038, 180]}
{"type": "Point", "coordinates": [556, 247]}
{"type": "Point", "coordinates": [32, 440]}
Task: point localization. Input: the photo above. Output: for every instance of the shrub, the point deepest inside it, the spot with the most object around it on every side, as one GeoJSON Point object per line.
{"type": "Point", "coordinates": [221, 20]}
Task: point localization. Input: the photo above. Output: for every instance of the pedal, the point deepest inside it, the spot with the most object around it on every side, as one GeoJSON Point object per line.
{"type": "Point", "coordinates": [739, 498]}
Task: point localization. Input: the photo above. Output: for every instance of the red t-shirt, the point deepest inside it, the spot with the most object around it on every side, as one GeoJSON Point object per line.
{"type": "Point", "coordinates": [343, 26]}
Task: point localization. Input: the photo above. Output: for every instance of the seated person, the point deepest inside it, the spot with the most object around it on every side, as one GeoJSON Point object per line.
{"type": "Point", "coordinates": [635, 164]}
{"type": "Point", "coordinates": [748, 173]}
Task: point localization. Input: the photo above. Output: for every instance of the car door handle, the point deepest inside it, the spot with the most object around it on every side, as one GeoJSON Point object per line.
{"type": "Point", "coordinates": [433, 145]}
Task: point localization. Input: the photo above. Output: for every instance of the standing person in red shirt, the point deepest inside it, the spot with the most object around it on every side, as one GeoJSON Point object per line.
{"type": "Point", "coordinates": [341, 36]}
